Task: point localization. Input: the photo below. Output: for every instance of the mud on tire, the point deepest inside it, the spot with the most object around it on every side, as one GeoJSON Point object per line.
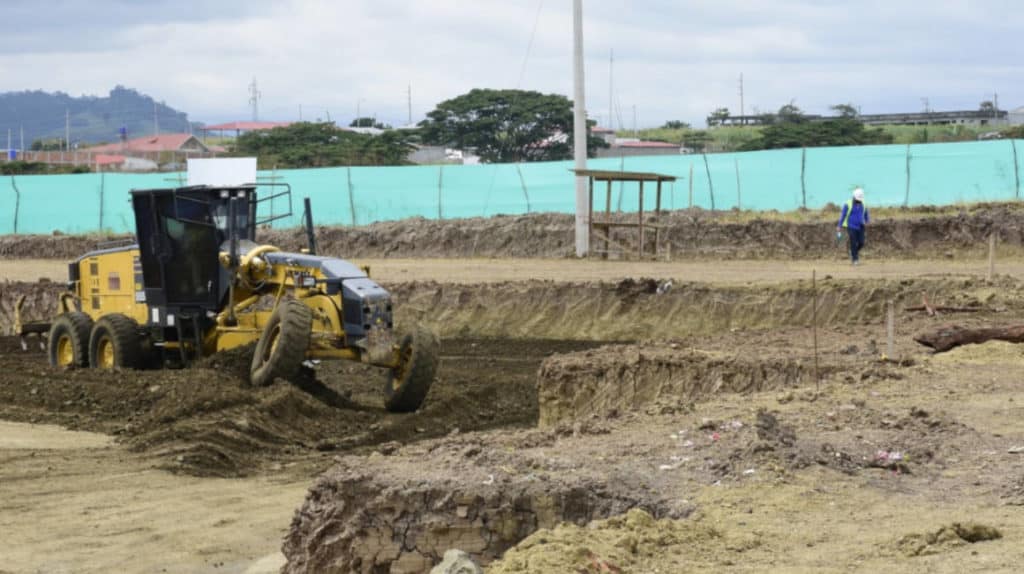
{"type": "Point", "coordinates": [114, 342]}
{"type": "Point", "coordinates": [407, 385]}
{"type": "Point", "coordinates": [67, 345]}
{"type": "Point", "coordinates": [283, 344]}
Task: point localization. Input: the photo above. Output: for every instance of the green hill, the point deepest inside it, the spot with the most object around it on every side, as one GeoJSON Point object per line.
{"type": "Point", "coordinates": [93, 119]}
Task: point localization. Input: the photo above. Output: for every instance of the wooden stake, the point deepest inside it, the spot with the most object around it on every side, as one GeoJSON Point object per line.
{"type": "Point", "coordinates": [991, 256]}
{"type": "Point", "coordinates": [891, 331]}
{"type": "Point", "coordinates": [814, 326]}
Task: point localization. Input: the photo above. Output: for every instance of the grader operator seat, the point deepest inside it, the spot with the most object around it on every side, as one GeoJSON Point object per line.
{"type": "Point", "coordinates": [180, 233]}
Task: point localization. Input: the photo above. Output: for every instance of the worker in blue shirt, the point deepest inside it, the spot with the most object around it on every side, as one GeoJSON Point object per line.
{"type": "Point", "coordinates": [854, 219]}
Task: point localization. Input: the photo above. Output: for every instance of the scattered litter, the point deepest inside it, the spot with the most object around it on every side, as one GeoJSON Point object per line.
{"type": "Point", "coordinates": [884, 456]}
{"type": "Point", "coordinates": [715, 436]}
{"type": "Point", "coordinates": [749, 471]}
{"type": "Point", "coordinates": [490, 479]}
{"type": "Point", "coordinates": [1016, 450]}
{"type": "Point", "coordinates": [664, 287]}
{"type": "Point", "coordinates": [687, 443]}
{"type": "Point", "coordinates": [732, 425]}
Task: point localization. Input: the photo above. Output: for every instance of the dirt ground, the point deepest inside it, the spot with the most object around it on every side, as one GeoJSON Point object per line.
{"type": "Point", "coordinates": [476, 271]}
{"type": "Point", "coordinates": [587, 417]}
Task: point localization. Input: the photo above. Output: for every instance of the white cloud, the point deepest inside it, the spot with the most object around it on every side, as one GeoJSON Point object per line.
{"type": "Point", "coordinates": [674, 59]}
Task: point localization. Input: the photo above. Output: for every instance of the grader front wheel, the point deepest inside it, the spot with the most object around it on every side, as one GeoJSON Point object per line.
{"type": "Point", "coordinates": [409, 382]}
{"type": "Point", "coordinates": [283, 344]}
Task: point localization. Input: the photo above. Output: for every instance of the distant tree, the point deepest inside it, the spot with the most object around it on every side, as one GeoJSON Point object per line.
{"type": "Point", "coordinates": [845, 110]}
{"type": "Point", "coordinates": [987, 107]}
{"type": "Point", "coordinates": [368, 122]}
{"type": "Point", "coordinates": [506, 125]}
{"type": "Point", "coordinates": [697, 140]}
{"type": "Point", "coordinates": [718, 116]}
{"type": "Point", "coordinates": [841, 131]}
{"type": "Point", "coordinates": [1016, 132]}
{"type": "Point", "coordinates": [790, 113]}
{"type": "Point", "coordinates": [307, 144]}
{"type": "Point", "coordinates": [675, 125]}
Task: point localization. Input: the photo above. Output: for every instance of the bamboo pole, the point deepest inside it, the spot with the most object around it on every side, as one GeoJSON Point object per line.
{"type": "Point", "coordinates": [691, 185]}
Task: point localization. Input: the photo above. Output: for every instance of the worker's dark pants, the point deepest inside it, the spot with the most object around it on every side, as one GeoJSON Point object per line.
{"type": "Point", "coordinates": [856, 242]}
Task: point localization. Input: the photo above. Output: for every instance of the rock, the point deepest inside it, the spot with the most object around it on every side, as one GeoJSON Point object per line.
{"type": "Point", "coordinates": [1016, 450]}
{"type": "Point", "coordinates": [457, 562]}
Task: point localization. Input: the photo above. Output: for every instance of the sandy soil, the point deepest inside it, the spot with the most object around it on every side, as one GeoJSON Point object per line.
{"type": "Point", "coordinates": [75, 502]}
{"type": "Point", "coordinates": [471, 271]}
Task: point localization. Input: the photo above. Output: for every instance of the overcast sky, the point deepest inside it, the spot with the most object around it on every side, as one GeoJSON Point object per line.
{"type": "Point", "coordinates": [674, 59]}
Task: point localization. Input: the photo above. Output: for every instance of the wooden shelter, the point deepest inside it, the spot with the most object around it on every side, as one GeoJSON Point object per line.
{"type": "Point", "coordinates": [603, 227]}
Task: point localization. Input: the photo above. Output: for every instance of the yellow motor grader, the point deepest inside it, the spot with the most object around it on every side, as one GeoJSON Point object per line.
{"type": "Point", "coordinates": [196, 282]}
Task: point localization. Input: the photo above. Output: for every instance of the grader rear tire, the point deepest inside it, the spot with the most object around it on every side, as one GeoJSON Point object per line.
{"type": "Point", "coordinates": [114, 342]}
{"type": "Point", "coordinates": [283, 344]}
{"type": "Point", "coordinates": [409, 382]}
{"type": "Point", "coordinates": [68, 342]}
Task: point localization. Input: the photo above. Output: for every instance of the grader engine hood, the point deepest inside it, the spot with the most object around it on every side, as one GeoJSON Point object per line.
{"type": "Point", "coordinates": [366, 306]}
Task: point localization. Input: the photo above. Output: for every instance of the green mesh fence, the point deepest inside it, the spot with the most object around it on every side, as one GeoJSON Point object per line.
{"type": "Point", "coordinates": [936, 174]}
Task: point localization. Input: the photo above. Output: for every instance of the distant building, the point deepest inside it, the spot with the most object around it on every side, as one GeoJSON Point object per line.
{"type": "Point", "coordinates": [961, 117]}
{"type": "Point", "coordinates": [243, 127]}
{"type": "Point", "coordinates": [1016, 117]}
{"type": "Point", "coordinates": [626, 147]}
{"type": "Point", "coordinates": [154, 144]}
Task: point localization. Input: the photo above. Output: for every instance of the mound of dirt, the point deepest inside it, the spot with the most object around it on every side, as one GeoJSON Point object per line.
{"type": "Point", "coordinates": [633, 542]}
{"type": "Point", "coordinates": [207, 420]}
{"type": "Point", "coordinates": [398, 510]}
{"type": "Point", "coordinates": [946, 537]}
{"type": "Point", "coordinates": [628, 377]}
{"type": "Point", "coordinates": [692, 232]}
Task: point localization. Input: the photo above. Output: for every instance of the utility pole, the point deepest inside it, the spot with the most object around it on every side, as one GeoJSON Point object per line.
{"type": "Point", "coordinates": [743, 112]}
{"type": "Point", "coordinates": [611, 91]}
{"type": "Point", "coordinates": [22, 139]}
{"type": "Point", "coordinates": [8, 144]}
{"type": "Point", "coordinates": [300, 112]}
{"type": "Point", "coordinates": [254, 99]}
{"type": "Point", "coordinates": [410, 105]}
{"type": "Point", "coordinates": [156, 121]}
{"type": "Point", "coordinates": [67, 129]}
{"type": "Point", "coordinates": [635, 132]}
{"type": "Point", "coordinates": [580, 134]}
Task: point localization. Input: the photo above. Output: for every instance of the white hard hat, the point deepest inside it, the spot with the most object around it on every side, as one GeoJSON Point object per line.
{"type": "Point", "coordinates": [858, 194]}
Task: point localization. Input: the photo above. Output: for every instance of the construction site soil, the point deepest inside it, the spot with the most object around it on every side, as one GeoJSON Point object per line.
{"type": "Point", "coordinates": [912, 232]}
{"type": "Point", "coordinates": [640, 425]}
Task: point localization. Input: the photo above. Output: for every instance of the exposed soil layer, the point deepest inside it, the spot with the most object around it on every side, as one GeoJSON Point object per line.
{"type": "Point", "coordinates": [632, 309]}
{"type": "Point", "coordinates": [667, 375]}
{"type": "Point", "coordinates": [692, 232]}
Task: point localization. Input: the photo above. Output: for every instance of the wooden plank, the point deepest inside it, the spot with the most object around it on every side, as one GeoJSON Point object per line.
{"type": "Point", "coordinates": [657, 214]}
{"type": "Point", "coordinates": [641, 219]}
{"type": "Point", "coordinates": [608, 214]}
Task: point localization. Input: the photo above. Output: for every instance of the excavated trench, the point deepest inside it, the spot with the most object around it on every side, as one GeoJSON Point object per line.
{"type": "Point", "coordinates": [525, 367]}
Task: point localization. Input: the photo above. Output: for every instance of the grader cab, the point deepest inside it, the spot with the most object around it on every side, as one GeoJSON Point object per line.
{"type": "Point", "coordinates": [197, 282]}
